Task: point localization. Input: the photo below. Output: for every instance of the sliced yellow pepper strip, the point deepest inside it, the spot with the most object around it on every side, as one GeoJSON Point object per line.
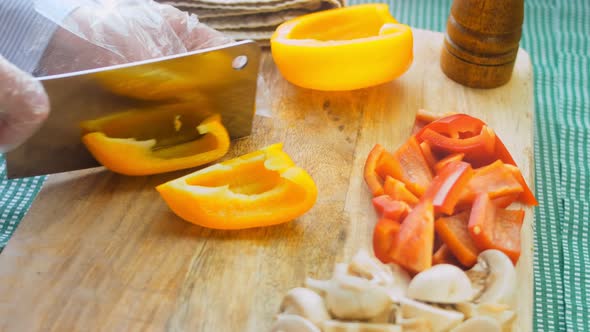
{"type": "Point", "coordinates": [139, 157]}
{"type": "Point", "coordinates": [343, 49]}
{"type": "Point", "coordinates": [261, 188]}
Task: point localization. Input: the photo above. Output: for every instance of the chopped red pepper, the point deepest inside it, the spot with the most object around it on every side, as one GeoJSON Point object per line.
{"type": "Point", "coordinates": [495, 179]}
{"type": "Point", "coordinates": [408, 165]}
{"type": "Point", "coordinates": [371, 177]}
{"type": "Point", "coordinates": [495, 228]}
{"type": "Point", "coordinates": [444, 256]}
{"type": "Point", "coordinates": [397, 190]}
{"type": "Point", "coordinates": [478, 149]}
{"type": "Point", "coordinates": [454, 233]}
{"type": "Point", "coordinates": [527, 196]}
{"type": "Point", "coordinates": [383, 234]}
{"type": "Point", "coordinates": [389, 208]}
{"type": "Point", "coordinates": [412, 246]}
{"type": "Point", "coordinates": [455, 126]}
{"type": "Point", "coordinates": [502, 153]}
{"type": "Point", "coordinates": [446, 160]}
{"type": "Point", "coordinates": [448, 186]}
{"type": "Point", "coordinates": [506, 200]}
{"type": "Point", "coordinates": [428, 155]}
{"type": "Point", "coordinates": [471, 202]}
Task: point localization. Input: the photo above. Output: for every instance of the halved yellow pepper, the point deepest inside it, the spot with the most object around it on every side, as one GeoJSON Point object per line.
{"type": "Point", "coordinates": [343, 49]}
{"type": "Point", "coordinates": [261, 188]}
{"type": "Point", "coordinates": [117, 142]}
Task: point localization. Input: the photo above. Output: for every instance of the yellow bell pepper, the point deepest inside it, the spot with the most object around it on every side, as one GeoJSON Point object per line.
{"type": "Point", "coordinates": [343, 49]}
{"type": "Point", "coordinates": [149, 142]}
{"type": "Point", "coordinates": [169, 79]}
{"type": "Point", "coordinates": [261, 188]}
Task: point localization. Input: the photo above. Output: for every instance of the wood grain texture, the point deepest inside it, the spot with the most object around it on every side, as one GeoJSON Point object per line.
{"type": "Point", "coordinates": [102, 252]}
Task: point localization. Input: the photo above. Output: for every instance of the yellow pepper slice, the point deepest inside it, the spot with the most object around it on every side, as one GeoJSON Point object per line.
{"type": "Point", "coordinates": [261, 188]}
{"type": "Point", "coordinates": [343, 49]}
{"type": "Point", "coordinates": [113, 142]}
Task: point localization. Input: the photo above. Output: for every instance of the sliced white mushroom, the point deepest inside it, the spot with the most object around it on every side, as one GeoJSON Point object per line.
{"type": "Point", "coordinates": [318, 286]}
{"type": "Point", "coordinates": [305, 303]}
{"type": "Point", "coordinates": [402, 280]}
{"type": "Point", "coordinates": [340, 269]}
{"type": "Point", "coordinates": [479, 324]}
{"type": "Point", "coordinates": [441, 320]}
{"type": "Point", "coordinates": [493, 278]}
{"type": "Point", "coordinates": [415, 325]}
{"type": "Point", "coordinates": [349, 297]}
{"type": "Point", "coordinates": [388, 316]}
{"type": "Point", "coordinates": [370, 268]}
{"type": "Point", "coordinates": [391, 276]}
{"type": "Point", "coordinates": [293, 323]}
{"type": "Point", "coordinates": [443, 283]}
{"type": "Point", "coordinates": [501, 313]}
{"type": "Point", "coordinates": [339, 326]}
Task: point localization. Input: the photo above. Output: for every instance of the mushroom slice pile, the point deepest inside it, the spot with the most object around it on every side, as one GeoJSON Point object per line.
{"type": "Point", "coordinates": [451, 285]}
{"type": "Point", "coordinates": [494, 278]}
{"type": "Point", "coordinates": [501, 313]}
{"type": "Point", "coordinates": [340, 326]}
{"type": "Point", "coordinates": [305, 303]}
{"type": "Point", "coordinates": [293, 323]}
{"type": "Point", "coordinates": [440, 320]}
{"type": "Point", "coordinates": [479, 324]}
{"type": "Point", "coordinates": [349, 297]}
{"type": "Point", "coordinates": [368, 296]}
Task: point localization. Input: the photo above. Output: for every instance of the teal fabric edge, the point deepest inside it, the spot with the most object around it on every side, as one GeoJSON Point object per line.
{"type": "Point", "coordinates": [16, 197]}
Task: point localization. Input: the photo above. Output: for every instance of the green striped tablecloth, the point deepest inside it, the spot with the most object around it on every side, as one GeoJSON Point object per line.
{"type": "Point", "coordinates": [557, 36]}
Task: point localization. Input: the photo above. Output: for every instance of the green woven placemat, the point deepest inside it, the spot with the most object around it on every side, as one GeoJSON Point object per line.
{"type": "Point", "coordinates": [556, 35]}
{"type": "Point", "coordinates": [16, 197]}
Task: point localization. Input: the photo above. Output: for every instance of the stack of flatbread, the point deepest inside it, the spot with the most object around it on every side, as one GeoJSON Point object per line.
{"type": "Point", "coordinates": [250, 19]}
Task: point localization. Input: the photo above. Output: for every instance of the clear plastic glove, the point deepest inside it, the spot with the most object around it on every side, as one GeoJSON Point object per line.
{"type": "Point", "coordinates": [23, 105]}
{"type": "Point", "coordinates": [96, 34]}
{"type": "Point", "coordinates": [109, 32]}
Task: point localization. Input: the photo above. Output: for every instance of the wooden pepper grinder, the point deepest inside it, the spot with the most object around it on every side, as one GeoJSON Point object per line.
{"type": "Point", "coordinates": [481, 42]}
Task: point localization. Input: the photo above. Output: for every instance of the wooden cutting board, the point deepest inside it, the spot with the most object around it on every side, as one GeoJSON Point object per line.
{"type": "Point", "coordinates": [102, 252]}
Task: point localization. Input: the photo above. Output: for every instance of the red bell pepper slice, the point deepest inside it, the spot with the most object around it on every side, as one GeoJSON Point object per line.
{"type": "Point", "coordinates": [383, 235]}
{"type": "Point", "coordinates": [448, 186]}
{"type": "Point", "coordinates": [446, 160]}
{"type": "Point", "coordinates": [455, 126]}
{"type": "Point", "coordinates": [408, 165]}
{"type": "Point", "coordinates": [412, 246]}
{"type": "Point", "coordinates": [502, 153]}
{"type": "Point", "coordinates": [495, 179]}
{"type": "Point", "coordinates": [371, 177]}
{"type": "Point", "coordinates": [389, 208]}
{"type": "Point", "coordinates": [478, 149]}
{"type": "Point", "coordinates": [397, 190]}
{"type": "Point", "coordinates": [428, 155]}
{"type": "Point", "coordinates": [444, 256]}
{"type": "Point", "coordinates": [495, 228]}
{"type": "Point", "coordinates": [505, 201]}
{"type": "Point", "coordinates": [527, 196]}
{"type": "Point", "coordinates": [454, 233]}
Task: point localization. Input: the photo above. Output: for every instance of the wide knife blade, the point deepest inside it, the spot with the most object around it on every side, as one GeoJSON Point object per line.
{"type": "Point", "coordinates": [216, 80]}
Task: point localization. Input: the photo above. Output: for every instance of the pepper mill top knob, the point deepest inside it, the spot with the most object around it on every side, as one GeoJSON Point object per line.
{"type": "Point", "coordinates": [482, 41]}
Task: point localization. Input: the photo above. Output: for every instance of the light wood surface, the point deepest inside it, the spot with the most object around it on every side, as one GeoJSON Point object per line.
{"type": "Point", "coordinates": [102, 252]}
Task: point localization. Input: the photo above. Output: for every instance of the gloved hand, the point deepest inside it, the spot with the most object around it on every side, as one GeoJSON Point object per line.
{"type": "Point", "coordinates": [96, 34]}
{"type": "Point", "coordinates": [121, 31]}
{"type": "Point", "coordinates": [23, 105]}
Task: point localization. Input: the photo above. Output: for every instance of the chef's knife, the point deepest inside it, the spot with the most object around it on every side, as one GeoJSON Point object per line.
{"type": "Point", "coordinates": [216, 80]}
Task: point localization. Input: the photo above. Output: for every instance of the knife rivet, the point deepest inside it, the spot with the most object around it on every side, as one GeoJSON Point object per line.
{"type": "Point", "coordinates": [240, 62]}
